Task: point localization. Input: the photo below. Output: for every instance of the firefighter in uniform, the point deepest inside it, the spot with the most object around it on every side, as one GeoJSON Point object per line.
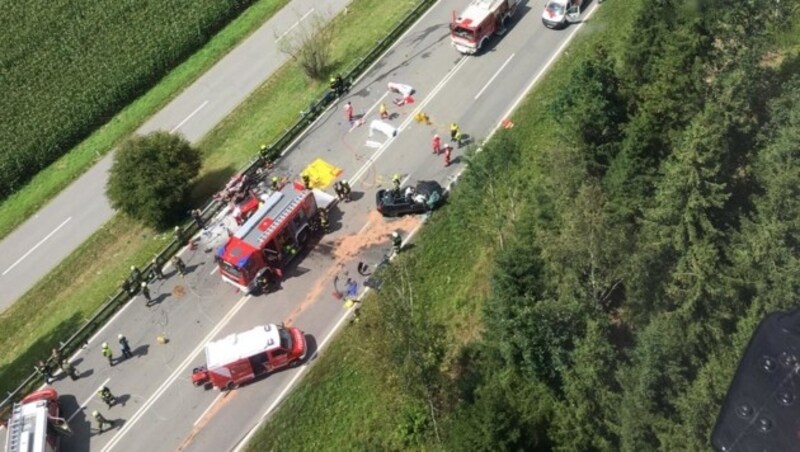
{"type": "Point", "coordinates": [275, 183]}
{"type": "Point", "coordinates": [383, 111]}
{"type": "Point", "coordinates": [306, 181]}
{"type": "Point", "coordinates": [346, 190]}
{"type": "Point", "coordinates": [101, 420]}
{"type": "Point", "coordinates": [397, 242]}
{"type": "Point", "coordinates": [136, 275]}
{"type": "Point", "coordinates": [146, 293]}
{"type": "Point", "coordinates": [107, 397]}
{"type": "Point", "coordinates": [124, 347]}
{"type": "Point", "coordinates": [455, 134]}
{"type": "Point", "coordinates": [324, 222]}
{"type": "Point", "coordinates": [69, 369]}
{"type": "Point", "coordinates": [337, 187]}
{"type": "Point", "coordinates": [179, 265]}
{"type": "Point", "coordinates": [157, 269]}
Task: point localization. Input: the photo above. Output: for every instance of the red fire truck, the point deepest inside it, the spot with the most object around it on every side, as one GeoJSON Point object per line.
{"type": "Point", "coordinates": [241, 357]}
{"type": "Point", "coordinates": [35, 424]}
{"type": "Point", "coordinates": [271, 236]}
{"type": "Point", "coordinates": [471, 29]}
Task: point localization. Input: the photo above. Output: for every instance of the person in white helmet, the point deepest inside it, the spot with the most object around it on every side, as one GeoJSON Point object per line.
{"type": "Point", "coordinates": [107, 353]}
{"type": "Point", "coordinates": [346, 190]}
{"type": "Point", "coordinates": [397, 242]}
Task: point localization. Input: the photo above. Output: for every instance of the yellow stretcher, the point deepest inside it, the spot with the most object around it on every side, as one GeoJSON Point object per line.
{"type": "Point", "coordinates": [321, 173]}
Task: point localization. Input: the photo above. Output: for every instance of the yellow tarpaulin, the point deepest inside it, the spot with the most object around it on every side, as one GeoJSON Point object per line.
{"type": "Point", "coordinates": [322, 173]}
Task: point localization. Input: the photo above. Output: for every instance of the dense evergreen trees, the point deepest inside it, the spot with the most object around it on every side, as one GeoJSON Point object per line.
{"type": "Point", "coordinates": [666, 222]}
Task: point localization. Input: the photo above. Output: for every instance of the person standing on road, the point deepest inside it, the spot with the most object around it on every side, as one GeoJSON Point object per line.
{"type": "Point", "coordinates": [397, 242]}
{"type": "Point", "coordinates": [346, 190]}
{"type": "Point", "coordinates": [106, 351]}
{"type": "Point", "coordinates": [136, 274]}
{"type": "Point", "coordinates": [69, 369]}
{"type": "Point", "coordinates": [197, 216]}
{"type": "Point", "coordinates": [124, 347]}
{"type": "Point", "coordinates": [146, 293]}
{"type": "Point", "coordinates": [383, 111]}
{"type": "Point", "coordinates": [348, 111]}
{"type": "Point", "coordinates": [106, 396]}
{"type": "Point", "coordinates": [101, 420]}
{"type": "Point", "coordinates": [396, 183]}
{"type": "Point", "coordinates": [157, 269]}
{"type": "Point", "coordinates": [437, 144]}
{"type": "Point", "coordinates": [455, 134]}
{"type": "Point", "coordinates": [179, 265]}
{"type": "Point", "coordinates": [44, 371]}
{"type": "Point", "coordinates": [448, 151]}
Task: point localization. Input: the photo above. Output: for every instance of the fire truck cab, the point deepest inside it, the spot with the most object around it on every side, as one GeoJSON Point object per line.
{"type": "Point", "coordinates": [470, 30]}
{"type": "Point", "coordinates": [272, 236]}
{"type": "Point", "coordinates": [35, 424]}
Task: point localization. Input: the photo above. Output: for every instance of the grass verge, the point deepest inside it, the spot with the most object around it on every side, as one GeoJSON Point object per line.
{"type": "Point", "coordinates": [449, 270]}
{"type": "Point", "coordinates": [80, 284]}
{"type": "Point", "coordinates": [49, 182]}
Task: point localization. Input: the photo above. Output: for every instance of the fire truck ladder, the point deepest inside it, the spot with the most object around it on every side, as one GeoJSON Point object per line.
{"type": "Point", "coordinates": [15, 426]}
{"type": "Point", "coordinates": [277, 222]}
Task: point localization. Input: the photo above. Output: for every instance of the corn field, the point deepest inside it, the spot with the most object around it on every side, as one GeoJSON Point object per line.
{"type": "Point", "coordinates": [67, 66]}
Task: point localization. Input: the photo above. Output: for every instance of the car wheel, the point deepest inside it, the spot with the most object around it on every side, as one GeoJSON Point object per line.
{"type": "Point", "coordinates": [230, 386]}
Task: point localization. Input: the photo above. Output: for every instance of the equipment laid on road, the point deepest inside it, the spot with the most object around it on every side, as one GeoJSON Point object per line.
{"type": "Point", "coordinates": [470, 30]}
{"type": "Point", "coordinates": [241, 357]}
{"type": "Point", "coordinates": [272, 235]}
{"type": "Point", "coordinates": [35, 424]}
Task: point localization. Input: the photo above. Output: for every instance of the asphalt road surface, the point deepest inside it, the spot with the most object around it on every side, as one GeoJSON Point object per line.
{"type": "Point", "coordinates": [161, 409]}
{"type": "Point", "coordinates": [39, 244]}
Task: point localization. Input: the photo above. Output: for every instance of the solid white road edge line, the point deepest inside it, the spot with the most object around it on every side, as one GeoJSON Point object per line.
{"type": "Point", "coordinates": [295, 25]}
{"type": "Point", "coordinates": [494, 77]}
{"type": "Point", "coordinates": [86, 402]}
{"type": "Point", "coordinates": [174, 376]}
{"type": "Point", "coordinates": [244, 441]}
{"type": "Point", "coordinates": [36, 246]}
{"type": "Point", "coordinates": [186, 119]}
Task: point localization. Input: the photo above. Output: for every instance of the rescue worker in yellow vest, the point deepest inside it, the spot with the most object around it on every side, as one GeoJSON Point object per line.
{"type": "Point", "coordinates": [107, 353]}
{"type": "Point", "coordinates": [455, 134]}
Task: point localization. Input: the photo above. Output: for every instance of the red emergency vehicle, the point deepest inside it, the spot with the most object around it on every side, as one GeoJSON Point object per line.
{"type": "Point", "coordinates": [35, 424]}
{"type": "Point", "coordinates": [241, 357]}
{"type": "Point", "coordinates": [272, 236]}
{"type": "Point", "coordinates": [470, 30]}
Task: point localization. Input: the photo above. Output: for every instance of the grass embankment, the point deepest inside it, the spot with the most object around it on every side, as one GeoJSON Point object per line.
{"type": "Point", "coordinates": [352, 398]}
{"type": "Point", "coordinates": [61, 302]}
{"type": "Point", "coordinates": [50, 181]}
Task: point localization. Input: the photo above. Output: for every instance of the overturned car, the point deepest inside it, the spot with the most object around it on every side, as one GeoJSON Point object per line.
{"type": "Point", "coordinates": [424, 197]}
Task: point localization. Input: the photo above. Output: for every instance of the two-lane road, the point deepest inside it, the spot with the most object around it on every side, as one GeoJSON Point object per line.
{"type": "Point", "coordinates": [39, 244]}
{"type": "Point", "coordinates": [161, 409]}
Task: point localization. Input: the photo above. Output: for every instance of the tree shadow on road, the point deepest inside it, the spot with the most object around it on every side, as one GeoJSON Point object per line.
{"type": "Point", "coordinates": [209, 183]}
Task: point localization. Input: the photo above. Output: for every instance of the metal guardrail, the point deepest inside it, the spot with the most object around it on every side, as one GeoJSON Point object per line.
{"type": "Point", "coordinates": [271, 153]}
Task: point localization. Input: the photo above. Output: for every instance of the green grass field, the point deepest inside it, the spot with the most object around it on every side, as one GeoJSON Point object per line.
{"type": "Point", "coordinates": [50, 181]}
{"type": "Point", "coordinates": [342, 402]}
{"type": "Point", "coordinates": [78, 286]}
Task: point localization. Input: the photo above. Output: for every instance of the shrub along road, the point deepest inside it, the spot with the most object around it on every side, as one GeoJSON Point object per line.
{"type": "Point", "coordinates": [39, 244]}
{"type": "Point", "coordinates": [162, 410]}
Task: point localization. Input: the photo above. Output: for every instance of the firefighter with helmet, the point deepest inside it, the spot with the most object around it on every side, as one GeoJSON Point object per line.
{"type": "Point", "coordinates": [106, 396]}
{"type": "Point", "coordinates": [397, 242]}
{"type": "Point", "coordinates": [346, 190]}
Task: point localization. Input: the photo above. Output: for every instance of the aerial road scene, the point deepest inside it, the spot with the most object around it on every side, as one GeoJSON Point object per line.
{"type": "Point", "coordinates": [447, 225]}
